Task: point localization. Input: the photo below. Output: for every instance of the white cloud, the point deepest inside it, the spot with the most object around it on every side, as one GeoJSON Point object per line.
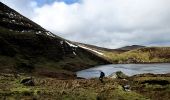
{"type": "Point", "coordinates": [108, 23]}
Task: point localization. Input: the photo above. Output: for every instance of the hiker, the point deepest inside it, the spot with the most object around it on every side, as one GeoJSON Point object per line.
{"type": "Point", "coordinates": [102, 74]}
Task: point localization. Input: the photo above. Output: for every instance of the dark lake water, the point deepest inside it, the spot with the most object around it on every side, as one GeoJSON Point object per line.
{"type": "Point", "coordinates": [128, 69]}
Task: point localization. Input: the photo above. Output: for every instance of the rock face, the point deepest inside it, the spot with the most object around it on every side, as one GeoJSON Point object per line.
{"type": "Point", "coordinates": [118, 74]}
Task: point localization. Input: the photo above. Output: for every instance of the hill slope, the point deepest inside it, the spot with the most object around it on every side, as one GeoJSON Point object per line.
{"type": "Point", "coordinates": [27, 47]}
{"type": "Point", "coordinates": [142, 55]}
{"type": "Point", "coordinates": [131, 54]}
{"type": "Point", "coordinates": [132, 47]}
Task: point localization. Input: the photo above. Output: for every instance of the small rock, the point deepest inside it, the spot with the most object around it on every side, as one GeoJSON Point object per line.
{"type": "Point", "coordinates": [126, 87]}
{"type": "Point", "coordinates": [28, 82]}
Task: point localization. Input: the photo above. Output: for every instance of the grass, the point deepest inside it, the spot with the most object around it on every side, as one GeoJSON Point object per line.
{"type": "Point", "coordinates": [85, 89]}
{"type": "Point", "coordinates": [51, 88]}
{"type": "Point", "coordinates": [142, 55]}
{"type": "Point", "coordinates": [155, 90]}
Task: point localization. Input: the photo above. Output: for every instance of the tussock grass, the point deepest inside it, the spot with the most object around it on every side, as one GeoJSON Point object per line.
{"type": "Point", "coordinates": [51, 88]}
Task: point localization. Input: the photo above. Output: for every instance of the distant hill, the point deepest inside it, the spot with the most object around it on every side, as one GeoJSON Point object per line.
{"type": "Point", "coordinates": [27, 47]}
{"type": "Point", "coordinates": [132, 54]}
{"type": "Point", "coordinates": [132, 47]}
{"type": "Point", "coordinates": [99, 48]}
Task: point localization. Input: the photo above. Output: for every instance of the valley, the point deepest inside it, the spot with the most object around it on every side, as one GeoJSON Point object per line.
{"type": "Point", "coordinates": [36, 64]}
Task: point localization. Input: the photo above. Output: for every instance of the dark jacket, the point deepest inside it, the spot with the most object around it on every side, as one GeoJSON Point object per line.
{"type": "Point", "coordinates": [102, 74]}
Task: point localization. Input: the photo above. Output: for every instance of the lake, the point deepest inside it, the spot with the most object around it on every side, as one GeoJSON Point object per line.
{"type": "Point", "coordinates": [128, 69]}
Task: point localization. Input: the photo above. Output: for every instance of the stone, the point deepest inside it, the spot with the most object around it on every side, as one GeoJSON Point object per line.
{"type": "Point", "coordinates": [28, 82]}
{"type": "Point", "coordinates": [118, 74]}
{"type": "Point", "coordinates": [126, 87]}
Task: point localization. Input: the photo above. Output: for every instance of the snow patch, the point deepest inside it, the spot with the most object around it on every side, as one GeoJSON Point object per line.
{"type": "Point", "coordinates": [92, 50]}
{"type": "Point", "coordinates": [22, 23]}
{"type": "Point", "coordinates": [13, 21]}
{"type": "Point", "coordinates": [25, 31]}
{"type": "Point", "coordinates": [36, 32]}
{"type": "Point", "coordinates": [39, 32]}
{"type": "Point", "coordinates": [61, 42]}
{"type": "Point", "coordinates": [11, 15]}
{"type": "Point", "coordinates": [71, 45]}
{"type": "Point", "coordinates": [50, 34]}
{"type": "Point", "coordinates": [74, 53]}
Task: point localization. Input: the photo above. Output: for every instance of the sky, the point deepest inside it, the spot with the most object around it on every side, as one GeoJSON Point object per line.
{"type": "Point", "coordinates": [105, 23]}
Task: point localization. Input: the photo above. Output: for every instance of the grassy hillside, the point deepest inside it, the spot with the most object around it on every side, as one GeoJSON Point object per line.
{"type": "Point", "coordinates": [141, 55]}
{"type": "Point", "coordinates": [132, 54]}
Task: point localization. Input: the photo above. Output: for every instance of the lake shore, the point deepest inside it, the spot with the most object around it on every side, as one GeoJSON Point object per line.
{"type": "Point", "coordinates": [128, 69]}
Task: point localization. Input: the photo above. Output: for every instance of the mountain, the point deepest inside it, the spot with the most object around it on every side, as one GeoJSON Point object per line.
{"type": "Point", "coordinates": [27, 47]}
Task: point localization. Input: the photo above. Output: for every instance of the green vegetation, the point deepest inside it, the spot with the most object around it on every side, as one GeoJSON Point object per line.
{"type": "Point", "coordinates": [51, 88]}
{"type": "Point", "coordinates": [141, 88]}
{"type": "Point", "coordinates": [153, 86]}
{"type": "Point", "coordinates": [142, 55]}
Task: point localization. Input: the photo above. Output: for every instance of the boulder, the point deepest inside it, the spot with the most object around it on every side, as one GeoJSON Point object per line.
{"type": "Point", "coordinates": [118, 74]}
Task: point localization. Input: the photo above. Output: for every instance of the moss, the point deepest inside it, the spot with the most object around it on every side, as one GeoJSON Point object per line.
{"type": "Point", "coordinates": [22, 90]}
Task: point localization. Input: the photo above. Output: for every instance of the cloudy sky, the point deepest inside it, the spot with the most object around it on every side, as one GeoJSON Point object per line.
{"type": "Point", "coordinates": [106, 23]}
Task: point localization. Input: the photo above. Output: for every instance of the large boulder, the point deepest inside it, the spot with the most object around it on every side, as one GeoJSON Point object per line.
{"type": "Point", "coordinates": [118, 74]}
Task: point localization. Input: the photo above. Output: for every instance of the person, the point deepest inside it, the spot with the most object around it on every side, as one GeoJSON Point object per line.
{"type": "Point", "coordinates": [102, 75]}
